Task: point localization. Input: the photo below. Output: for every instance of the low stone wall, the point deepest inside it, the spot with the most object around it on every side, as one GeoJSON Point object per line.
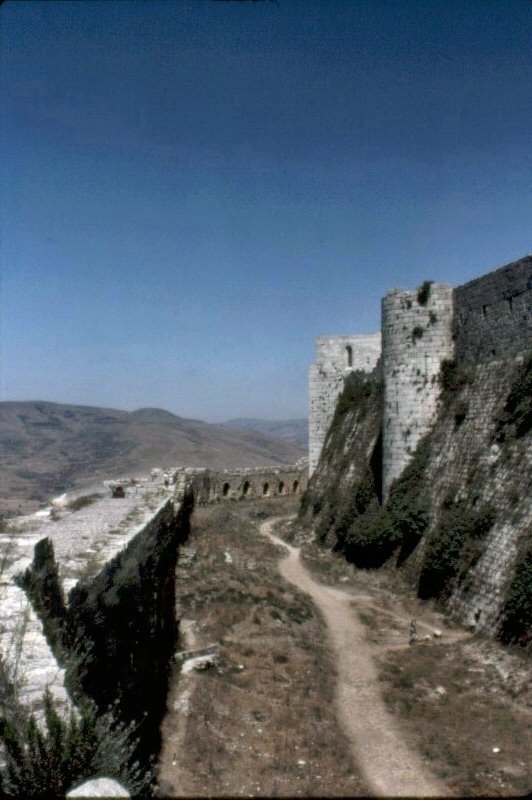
{"type": "Point", "coordinates": [211, 486]}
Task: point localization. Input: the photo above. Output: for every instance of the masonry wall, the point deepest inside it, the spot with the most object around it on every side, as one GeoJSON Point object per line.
{"type": "Point", "coordinates": [336, 357]}
{"type": "Point", "coordinates": [469, 463]}
{"type": "Point", "coordinates": [416, 335]}
{"type": "Point", "coordinates": [210, 486]}
{"type": "Point", "coordinates": [475, 460]}
{"type": "Point", "coordinates": [493, 313]}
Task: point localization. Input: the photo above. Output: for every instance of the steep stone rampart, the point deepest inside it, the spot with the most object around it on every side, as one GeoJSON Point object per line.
{"type": "Point", "coordinates": [350, 468]}
{"type": "Point", "coordinates": [493, 313]}
{"type": "Point", "coordinates": [479, 466]}
{"type": "Point", "coordinates": [456, 452]}
{"type": "Point", "coordinates": [100, 598]}
{"type": "Point", "coordinates": [336, 358]}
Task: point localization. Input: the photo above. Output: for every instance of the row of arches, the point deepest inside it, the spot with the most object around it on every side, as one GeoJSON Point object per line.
{"type": "Point", "coordinates": [267, 488]}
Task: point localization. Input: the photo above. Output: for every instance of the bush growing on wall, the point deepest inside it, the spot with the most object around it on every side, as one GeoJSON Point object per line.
{"type": "Point", "coordinates": [454, 547]}
{"type": "Point", "coordinates": [376, 532]}
{"type": "Point", "coordinates": [517, 412]}
{"type": "Point", "coordinates": [517, 614]}
{"type": "Point", "coordinates": [423, 293]}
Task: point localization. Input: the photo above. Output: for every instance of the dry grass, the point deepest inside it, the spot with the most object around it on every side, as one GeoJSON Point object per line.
{"type": "Point", "coordinates": [261, 722]}
{"type": "Point", "coordinates": [471, 721]}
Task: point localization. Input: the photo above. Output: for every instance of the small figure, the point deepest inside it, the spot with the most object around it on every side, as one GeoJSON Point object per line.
{"type": "Point", "coordinates": [413, 632]}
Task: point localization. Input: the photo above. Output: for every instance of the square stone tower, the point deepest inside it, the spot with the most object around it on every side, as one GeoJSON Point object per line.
{"type": "Point", "coordinates": [336, 357]}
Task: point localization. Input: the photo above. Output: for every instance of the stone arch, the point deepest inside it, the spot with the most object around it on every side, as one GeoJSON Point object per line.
{"type": "Point", "coordinates": [281, 487]}
{"type": "Point", "coordinates": [245, 488]}
{"type": "Point", "coordinates": [295, 486]}
{"type": "Point", "coordinates": [349, 355]}
{"type": "Point", "coordinates": [225, 489]}
{"type": "Point", "coordinates": [265, 489]}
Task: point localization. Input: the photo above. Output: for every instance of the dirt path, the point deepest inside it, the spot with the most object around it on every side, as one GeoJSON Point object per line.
{"type": "Point", "coordinates": [387, 764]}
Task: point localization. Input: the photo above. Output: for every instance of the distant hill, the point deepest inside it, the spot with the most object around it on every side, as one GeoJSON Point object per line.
{"type": "Point", "coordinates": [289, 430]}
{"type": "Point", "coordinates": [46, 448]}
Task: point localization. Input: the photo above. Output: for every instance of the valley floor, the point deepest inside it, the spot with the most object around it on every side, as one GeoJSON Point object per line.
{"type": "Point", "coordinates": [312, 689]}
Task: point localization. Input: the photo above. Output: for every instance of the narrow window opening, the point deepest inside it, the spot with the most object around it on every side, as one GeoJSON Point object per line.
{"type": "Point", "coordinates": [484, 310]}
{"type": "Point", "coordinates": [294, 487]}
{"type": "Point", "coordinates": [349, 355]}
{"type": "Point", "coordinates": [281, 487]}
{"type": "Point", "coordinates": [225, 490]}
{"type": "Point", "coordinates": [510, 304]}
{"type": "Point", "coordinates": [245, 489]}
{"type": "Point", "coordinates": [265, 489]}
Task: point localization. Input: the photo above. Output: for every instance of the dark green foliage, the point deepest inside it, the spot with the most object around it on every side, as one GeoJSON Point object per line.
{"type": "Point", "coordinates": [49, 762]}
{"type": "Point", "coordinates": [452, 378]}
{"type": "Point", "coordinates": [423, 293]}
{"type": "Point", "coordinates": [361, 398]}
{"type": "Point", "coordinates": [42, 585]}
{"type": "Point", "coordinates": [517, 413]}
{"type": "Point", "coordinates": [454, 547]}
{"type": "Point", "coordinates": [417, 333]}
{"type": "Point", "coordinates": [432, 318]}
{"type": "Point", "coordinates": [517, 614]}
{"type": "Point", "coordinates": [357, 391]}
{"type": "Point", "coordinates": [373, 536]}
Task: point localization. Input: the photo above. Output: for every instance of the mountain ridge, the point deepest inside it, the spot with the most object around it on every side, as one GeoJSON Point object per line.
{"type": "Point", "coordinates": [46, 447]}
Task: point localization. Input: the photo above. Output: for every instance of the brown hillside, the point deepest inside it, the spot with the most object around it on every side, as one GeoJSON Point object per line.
{"type": "Point", "coordinates": [47, 448]}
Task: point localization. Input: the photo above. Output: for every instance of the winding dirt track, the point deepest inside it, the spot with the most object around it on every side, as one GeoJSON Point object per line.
{"type": "Point", "coordinates": [389, 767]}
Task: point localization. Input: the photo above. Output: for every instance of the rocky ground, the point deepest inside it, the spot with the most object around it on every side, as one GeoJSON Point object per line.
{"type": "Point", "coordinates": [252, 712]}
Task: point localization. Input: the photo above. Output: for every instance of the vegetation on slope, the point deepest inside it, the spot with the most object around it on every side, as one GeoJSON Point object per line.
{"type": "Point", "coordinates": [456, 526]}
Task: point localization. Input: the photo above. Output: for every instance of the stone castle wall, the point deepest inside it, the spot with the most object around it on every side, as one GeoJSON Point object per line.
{"type": "Point", "coordinates": [482, 320]}
{"type": "Point", "coordinates": [211, 486]}
{"type": "Point", "coordinates": [416, 336]}
{"type": "Point", "coordinates": [493, 313]}
{"type": "Point", "coordinates": [336, 357]}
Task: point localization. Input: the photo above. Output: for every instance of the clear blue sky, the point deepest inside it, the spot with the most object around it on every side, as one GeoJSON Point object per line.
{"type": "Point", "coordinates": [193, 191]}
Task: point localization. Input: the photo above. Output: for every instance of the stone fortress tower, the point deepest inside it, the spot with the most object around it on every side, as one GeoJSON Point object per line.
{"type": "Point", "coordinates": [336, 358]}
{"type": "Point", "coordinates": [416, 336]}
{"type": "Point", "coordinates": [482, 320]}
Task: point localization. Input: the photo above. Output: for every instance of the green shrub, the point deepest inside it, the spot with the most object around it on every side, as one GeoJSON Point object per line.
{"type": "Point", "coordinates": [48, 762]}
{"type": "Point", "coordinates": [517, 613]}
{"type": "Point", "coordinates": [517, 412]}
{"type": "Point", "coordinates": [452, 377]}
{"type": "Point", "coordinates": [454, 547]}
{"type": "Point", "coordinates": [417, 333]}
{"type": "Point", "coordinates": [377, 532]}
{"type": "Point", "coordinates": [423, 293]}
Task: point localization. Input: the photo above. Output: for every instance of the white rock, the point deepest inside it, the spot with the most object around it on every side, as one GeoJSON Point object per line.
{"type": "Point", "coordinates": [99, 787]}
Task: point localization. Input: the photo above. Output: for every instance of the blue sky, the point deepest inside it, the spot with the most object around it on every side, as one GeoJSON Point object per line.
{"type": "Point", "coordinates": [193, 191]}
